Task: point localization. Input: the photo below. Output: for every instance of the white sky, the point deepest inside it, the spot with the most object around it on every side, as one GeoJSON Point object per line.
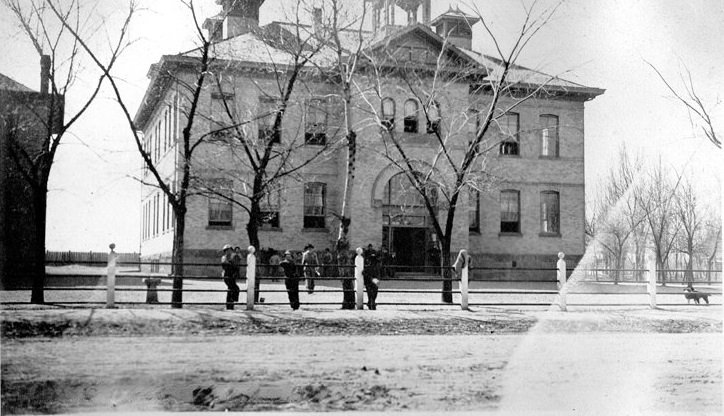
{"type": "Point", "coordinates": [601, 43]}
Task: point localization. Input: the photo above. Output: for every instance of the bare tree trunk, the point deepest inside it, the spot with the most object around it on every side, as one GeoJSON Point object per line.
{"type": "Point", "coordinates": [37, 262]}
{"type": "Point", "coordinates": [178, 257]}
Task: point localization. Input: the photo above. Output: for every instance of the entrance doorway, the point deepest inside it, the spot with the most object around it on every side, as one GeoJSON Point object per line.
{"type": "Point", "coordinates": [408, 246]}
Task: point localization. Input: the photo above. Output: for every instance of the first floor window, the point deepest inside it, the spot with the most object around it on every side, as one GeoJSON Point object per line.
{"type": "Point", "coordinates": [474, 210]}
{"type": "Point", "coordinates": [315, 194]}
{"type": "Point", "coordinates": [269, 211]}
{"type": "Point", "coordinates": [550, 212]}
{"type": "Point", "coordinates": [510, 211]}
{"type": "Point", "coordinates": [220, 207]}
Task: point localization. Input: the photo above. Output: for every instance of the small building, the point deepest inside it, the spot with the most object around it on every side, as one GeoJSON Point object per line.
{"type": "Point", "coordinates": [26, 121]}
{"type": "Point", "coordinates": [535, 210]}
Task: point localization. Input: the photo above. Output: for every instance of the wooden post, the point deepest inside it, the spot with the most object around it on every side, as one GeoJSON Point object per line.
{"type": "Point", "coordinates": [652, 282]}
{"type": "Point", "coordinates": [250, 277]}
{"type": "Point", "coordinates": [111, 278]}
{"type": "Point", "coordinates": [359, 266]}
{"type": "Point", "coordinates": [562, 289]}
{"type": "Point", "coordinates": [462, 267]}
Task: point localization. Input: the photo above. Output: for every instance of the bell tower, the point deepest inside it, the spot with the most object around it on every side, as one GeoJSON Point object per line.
{"type": "Point", "coordinates": [383, 12]}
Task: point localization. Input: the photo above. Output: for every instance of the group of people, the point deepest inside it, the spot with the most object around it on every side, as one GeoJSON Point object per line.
{"type": "Point", "coordinates": [310, 265]}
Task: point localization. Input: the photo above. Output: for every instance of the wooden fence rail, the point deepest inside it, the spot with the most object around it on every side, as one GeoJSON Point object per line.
{"type": "Point", "coordinates": [88, 256]}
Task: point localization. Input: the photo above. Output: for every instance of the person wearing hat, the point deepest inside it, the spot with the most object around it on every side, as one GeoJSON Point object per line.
{"type": "Point", "coordinates": [291, 279]}
{"type": "Point", "coordinates": [229, 271]}
{"type": "Point", "coordinates": [310, 263]}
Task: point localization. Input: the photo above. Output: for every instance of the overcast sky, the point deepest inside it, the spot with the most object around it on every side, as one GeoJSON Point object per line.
{"type": "Point", "coordinates": [601, 43]}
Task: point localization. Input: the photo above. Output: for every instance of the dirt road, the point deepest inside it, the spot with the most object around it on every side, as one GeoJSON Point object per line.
{"type": "Point", "coordinates": [673, 372]}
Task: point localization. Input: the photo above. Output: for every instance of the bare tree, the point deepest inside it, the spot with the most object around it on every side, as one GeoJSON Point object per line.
{"type": "Point", "coordinates": [691, 218]}
{"type": "Point", "coordinates": [177, 190]}
{"type": "Point", "coordinates": [443, 177]}
{"type": "Point", "coordinates": [53, 27]}
{"type": "Point", "coordinates": [618, 214]}
{"type": "Point", "coordinates": [698, 111]}
{"type": "Point", "coordinates": [655, 196]}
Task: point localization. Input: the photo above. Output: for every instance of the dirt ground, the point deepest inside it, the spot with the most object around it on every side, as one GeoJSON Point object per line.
{"type": "Point", "coordinates": [602, 361]}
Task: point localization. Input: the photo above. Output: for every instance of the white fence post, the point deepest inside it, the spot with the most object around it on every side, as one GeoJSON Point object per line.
{"type": "Point", "coordinates": [250, 277]}
{"type": "Point", "coordinates": [111, 278]}
{"type": "Point", "coordinates": [562, 289]}
{"type": "Point", "coordinates": [359, 266]}
{"type": "Point", "coordinates": [462, 265]}
{"type": "Point", "coordinates": [652, 283]}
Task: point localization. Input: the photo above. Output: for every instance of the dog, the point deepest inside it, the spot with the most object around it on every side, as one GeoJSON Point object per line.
{"type": "Point", "coordinates": [691, 293]}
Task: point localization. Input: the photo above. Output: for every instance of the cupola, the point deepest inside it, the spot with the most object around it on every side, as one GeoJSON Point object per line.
{"type": "Point", "coordinates": [237, 17]}
{"type": "Point", "coordinates": [456, 26]}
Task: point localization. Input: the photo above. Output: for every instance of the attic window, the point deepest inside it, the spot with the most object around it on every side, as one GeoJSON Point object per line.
{"type": "Point", "coordinates": [388, 113]}
{"type": "Point", "coordinates": [411, 109]}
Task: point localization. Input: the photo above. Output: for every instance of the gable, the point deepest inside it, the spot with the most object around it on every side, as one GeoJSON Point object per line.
{"type": "Point", "coordinates": [419, 44]}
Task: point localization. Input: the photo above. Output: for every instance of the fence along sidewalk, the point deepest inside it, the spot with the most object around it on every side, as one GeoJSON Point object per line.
{"type": "Point", "coordinates": [88, 257]}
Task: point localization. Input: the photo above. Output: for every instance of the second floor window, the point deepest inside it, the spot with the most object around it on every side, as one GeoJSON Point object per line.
{"type": "Point", "coordinates": [315, 202]}
{"type": "Point", "coordinates": [316, 122]}
{"type": "Point", "coordinates": [549, 135]}
{"type": "Point", "coordinates": [220, 208]}
{"type": "Point", "coordinates": [550, 217]}
{"type": "Point", "coordinates": [411, 114]}
{"type": "Point", "coordinates": [223, 113]}
{"type": "Point", "coordinates": [267, 113]}
{"type": "Point", "coordinates": [509, 125]}
{"type": "Point", "coordinates": [388, 113]}
{"type": "Point", "coordinates": [509, 211]}
{"type": "Point", "coordinates": [433, 116]}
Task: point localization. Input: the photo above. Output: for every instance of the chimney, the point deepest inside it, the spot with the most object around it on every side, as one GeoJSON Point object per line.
{"type": "Point", "coordinates": [214, 26]}
{"type": "Point", "coordinates": [44, 73]}
{"type": "Point", "coordinates": [426, 12]}
{"type": "Point", "coordinates": [317, 21]}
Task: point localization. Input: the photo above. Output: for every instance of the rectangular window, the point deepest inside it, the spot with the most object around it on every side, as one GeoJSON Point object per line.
{"type": "Point", "coordinates": [509, 125]}
{"type": "Point", "coordinates": [220, 206]}
{"type": "Point", "coordinates": [267, 113]}
{"type": "Point", "coordinates": [315, 202]}
{"type": "Point", "coordinates": [223, 114]}
{"type": "Point", "coordinates": [474, 210]}
{"type": "Point", "coordinates": [550, 212]}
{"type": "Point", "coordinates": [549, 135]}
{"type": "Point", "coordinates": [509, 211]}
{"type": "Point", "coordinates": [316, 122]}
{"type": "Point", "coordinates": [269, 207]}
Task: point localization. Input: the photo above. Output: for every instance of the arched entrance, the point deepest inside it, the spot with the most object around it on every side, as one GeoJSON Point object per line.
{"type": "Point", "coordinates": [407, 231]}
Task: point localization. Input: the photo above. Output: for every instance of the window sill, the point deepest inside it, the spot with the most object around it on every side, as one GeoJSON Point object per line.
{"type": "Point", "coordinates": [474, 231]}
{"type": "Point", "coordinates": [509, 156]}
{"type": "Point", "coordinates": [501, 234]}
{"type": "Point", "coordinates": [550, 235]}
{"type": "Point", "coordinates": [549, 157]}
{"type": "Point", "coordinates": [272, 229]}
{"type": "Point", "coordinates": [219, 227]}
{"type": "Point", "coordinates": [315, 230]}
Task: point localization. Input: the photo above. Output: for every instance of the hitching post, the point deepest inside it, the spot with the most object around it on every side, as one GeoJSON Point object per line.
{"type": "Point", "coordinates": [359, 266]}
{"type": "Point", "coordinates": [250, 277]}
{"type": "Point", "coordinates": [111, 278]}
{"type": "Point", "coordinates": [652, 283]}
{"type": "Point", "coordinates": [562, 289]}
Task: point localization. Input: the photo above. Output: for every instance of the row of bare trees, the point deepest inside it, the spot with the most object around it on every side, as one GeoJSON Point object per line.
{"type": "Point", "coordinates": [650, 208]}
{"type": "Point", "coordinates": [354, 76]}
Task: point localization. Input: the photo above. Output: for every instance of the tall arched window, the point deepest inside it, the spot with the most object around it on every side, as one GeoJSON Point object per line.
{"type": "Point", "coordinates": [411, 115]}
{"type": "Point", "coordinates": [388, 113]}
{"type": "Point", "coordinates": [549, 135]}
{"type": "Point", "coordinates": [433, 118]}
